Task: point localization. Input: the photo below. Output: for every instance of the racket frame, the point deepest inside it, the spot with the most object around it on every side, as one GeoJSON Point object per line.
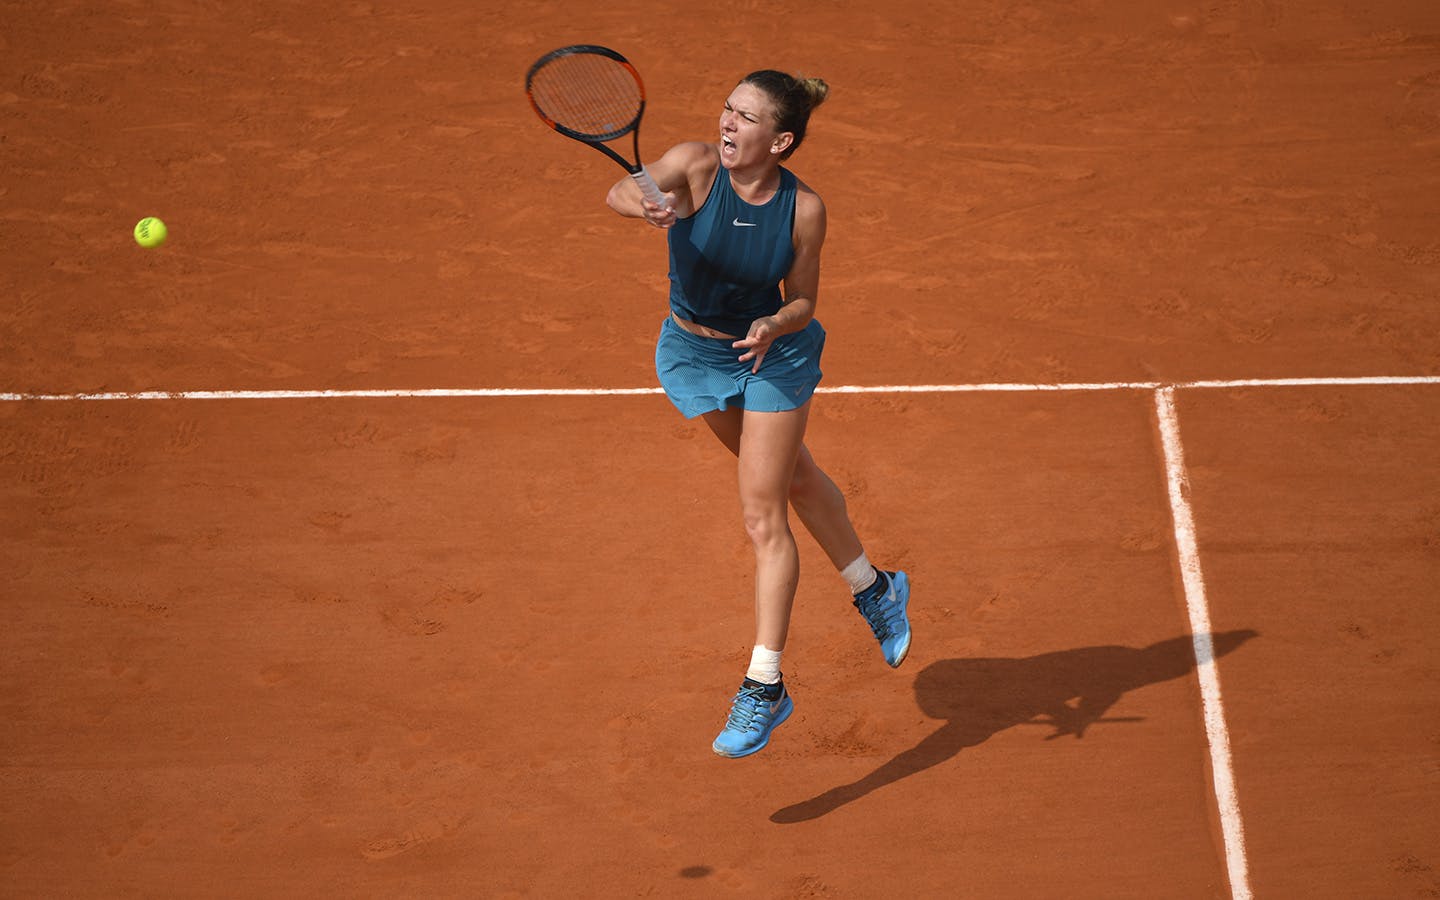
{"type": "Point", "coordinates": [637, 169]}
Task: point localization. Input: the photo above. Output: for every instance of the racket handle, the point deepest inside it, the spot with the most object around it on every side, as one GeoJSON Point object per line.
{"type": "Point", "coordinates": [649, 188]}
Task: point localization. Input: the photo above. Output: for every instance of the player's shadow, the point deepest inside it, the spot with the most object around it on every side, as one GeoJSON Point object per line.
{"type": "Point", "coordinates": [1068, 690]}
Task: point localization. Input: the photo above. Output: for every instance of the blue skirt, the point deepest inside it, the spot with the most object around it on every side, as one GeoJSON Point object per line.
{"type": "Point", "coordinates": [701, 374]}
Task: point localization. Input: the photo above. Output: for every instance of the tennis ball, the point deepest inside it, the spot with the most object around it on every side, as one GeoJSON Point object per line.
{"type": "Point", "coordinates": [150, 232]}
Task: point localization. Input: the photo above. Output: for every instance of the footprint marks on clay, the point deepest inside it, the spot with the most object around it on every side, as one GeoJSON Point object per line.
{"type": "Point", "coordinates": [185, 437]}
{"type": "Point", "coordinates": [140, 836]}
{"type": "Point", "coordinates": [428, 618]}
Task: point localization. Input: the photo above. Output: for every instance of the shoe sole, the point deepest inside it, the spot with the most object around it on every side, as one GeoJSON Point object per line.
{"type": "Point", "coordinates": [902, 590]}
{"type": "Point", "coordinates": [780, 718]}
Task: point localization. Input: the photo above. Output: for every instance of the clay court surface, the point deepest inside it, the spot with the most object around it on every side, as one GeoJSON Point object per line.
{"type": "Point", "coordinates": [401, 644]}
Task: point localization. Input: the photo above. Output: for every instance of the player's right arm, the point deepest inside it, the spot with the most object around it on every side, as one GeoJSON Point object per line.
{"type": "Point", "coordinates": [675, 173]}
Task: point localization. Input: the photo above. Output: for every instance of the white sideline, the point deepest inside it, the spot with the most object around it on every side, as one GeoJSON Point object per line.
{"type": "Point", "coordinates": [1217, 734]}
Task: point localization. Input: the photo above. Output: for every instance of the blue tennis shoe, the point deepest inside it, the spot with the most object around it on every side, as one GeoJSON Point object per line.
{"type": "Point", "coordinates": [885, 606]}
{"type": "Point", "coordinates": [757, 710]}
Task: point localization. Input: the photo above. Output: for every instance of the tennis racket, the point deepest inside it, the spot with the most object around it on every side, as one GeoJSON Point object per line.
{"type": "Point", "coordinates": [594, 95]}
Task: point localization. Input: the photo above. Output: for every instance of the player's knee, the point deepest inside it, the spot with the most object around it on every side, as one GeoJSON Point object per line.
{"type": "Point", "coordinates": [765, 522]}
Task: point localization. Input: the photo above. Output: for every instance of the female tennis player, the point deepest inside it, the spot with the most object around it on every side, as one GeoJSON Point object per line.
{"type": "Point", "coordinates": [746, 358]}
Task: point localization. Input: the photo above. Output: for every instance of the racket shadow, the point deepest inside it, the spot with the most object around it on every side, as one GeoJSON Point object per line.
{"type": "Point", "coordinates": [1067, 691]}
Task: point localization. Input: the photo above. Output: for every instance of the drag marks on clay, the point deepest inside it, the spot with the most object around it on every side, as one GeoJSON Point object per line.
{"type": "Point", "coordinates": [1364, 642]}
{"type": "Point", "coordinates": [1323, 412]}
{"type": "Point", "coordinates": [23, 306]}
{"type": "Point", "coordinates": [426, 832]}
{"type": "Point", "coordinates": [438, 447]}
{"type": "Point", "coordinates": [1241, 332]}
{"type": "Point", "coordinates": [1420, 874]}
{"type": "Point", "coordinates": [276, 36]}
{"type": "Point", "coordinates": [62, 87]}
{"type": "Point", "coordinates": [1029, 170]}
{"type": "Point", "coordinates": [138, 607]}
{"type": "Point", "coordinates": [274, 675]}
{"type": "Point", "coordinates": [731, 879]}
{"type": "Point", "coordinates": [319, 597]}
{"type": "Point", "coordinates": [231, 830]}
{"type": "Point", "coordinates": [858, 739]}
{"type": "Point", "coordinates": [1412, 254]}
{"type": "Point", "coordinates": [1429, 522]}
{"type": "Point", "coordinates": [327, 113]}
{"type": "Point", "coordinates": [1306, 272]}
{"type": "Point", "coordinates": [810, 887]}
{"type": "Point", "coordinates": [329, 520]}
{"type": "Point", "coordinates": [1394, 43]}
{"type": "Point", "coordinates": [365, 434]}
{"type": "Point", "coordinates": [1143, 540]}
{"type": "Point", "coordinates": [412, 621]}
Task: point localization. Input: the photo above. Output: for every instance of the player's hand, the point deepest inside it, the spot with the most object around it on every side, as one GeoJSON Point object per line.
{"type": "Point", "coordinates": [660, 216]}
{"type": "Point", "coordinates": [763, 332]}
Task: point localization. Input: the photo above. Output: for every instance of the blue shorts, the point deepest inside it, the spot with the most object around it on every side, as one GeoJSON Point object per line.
{"type": "Point", "coordinates": [702, 375]}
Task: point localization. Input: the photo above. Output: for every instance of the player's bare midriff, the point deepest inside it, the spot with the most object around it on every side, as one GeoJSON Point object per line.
{"type": "Point", "coordinates": [701, 330]}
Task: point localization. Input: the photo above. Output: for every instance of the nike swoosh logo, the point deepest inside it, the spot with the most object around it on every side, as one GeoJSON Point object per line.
{"type": "Point", "coordinates": [739, 224]}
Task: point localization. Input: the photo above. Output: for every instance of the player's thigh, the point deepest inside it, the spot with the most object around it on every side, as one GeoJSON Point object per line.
{"type": "Point", "coordinates": [770, 444]}
{"type": "Point", "coordinates": [727, 425]}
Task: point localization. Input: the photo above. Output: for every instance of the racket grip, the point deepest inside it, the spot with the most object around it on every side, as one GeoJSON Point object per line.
{"type": "Point", "coordinates": [649, 188]}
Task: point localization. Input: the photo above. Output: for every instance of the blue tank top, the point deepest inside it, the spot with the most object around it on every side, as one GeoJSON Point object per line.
{"type": "Point", "coordinates": [728, 259]}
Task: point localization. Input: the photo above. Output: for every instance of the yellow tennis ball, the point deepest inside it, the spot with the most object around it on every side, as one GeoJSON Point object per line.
{"type": "Point", "coordinates": [150, 232]}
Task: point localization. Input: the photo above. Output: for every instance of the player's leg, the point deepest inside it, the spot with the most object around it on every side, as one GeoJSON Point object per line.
{"type": "Point", "coordinates": [766, 445]}
{"type": "Point", "coordinates": [818, 503]}
{"type": "Point", "coordinates": [882, 597]}
{"type": "Point", "coordinates": [769, 446]}
{"type": "Point", "coordinates": [821, 508]}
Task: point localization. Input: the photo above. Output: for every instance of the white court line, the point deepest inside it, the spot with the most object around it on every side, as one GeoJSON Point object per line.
{"type": "Point", "coordinates": [1216, 732]}
{"type": "Point", "coordinates": [612, 392]}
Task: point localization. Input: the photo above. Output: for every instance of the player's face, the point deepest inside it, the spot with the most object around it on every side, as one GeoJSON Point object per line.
{"type": "Point", "coordinates": [747, 128]}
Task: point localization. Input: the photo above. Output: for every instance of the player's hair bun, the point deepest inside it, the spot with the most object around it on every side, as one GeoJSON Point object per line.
{"type": "Point", "coordinates": [816, 89]}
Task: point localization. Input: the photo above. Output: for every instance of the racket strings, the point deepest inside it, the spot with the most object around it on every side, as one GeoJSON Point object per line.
{"type": "Point", "coordinates": [593, 95]}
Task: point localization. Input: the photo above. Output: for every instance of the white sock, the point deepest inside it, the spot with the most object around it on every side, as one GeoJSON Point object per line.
{"type": "Point", "coordinates": [764, 665]}
{"type": "Point", "coordinates": [860, 574]}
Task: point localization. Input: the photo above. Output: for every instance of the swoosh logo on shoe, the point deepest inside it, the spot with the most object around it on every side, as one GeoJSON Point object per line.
{"type": "Point", "coordinates": [739, 224]}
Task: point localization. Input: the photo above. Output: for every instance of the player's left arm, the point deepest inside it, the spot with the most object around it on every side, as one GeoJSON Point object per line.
{"type": "Point", "coordinates": [802, 282]}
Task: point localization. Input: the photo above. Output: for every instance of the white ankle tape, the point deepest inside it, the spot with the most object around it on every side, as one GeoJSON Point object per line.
{"type": "Point", "coordinates": [860, 574]}
{"type": "Point", "coordinates": [764, 665]}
